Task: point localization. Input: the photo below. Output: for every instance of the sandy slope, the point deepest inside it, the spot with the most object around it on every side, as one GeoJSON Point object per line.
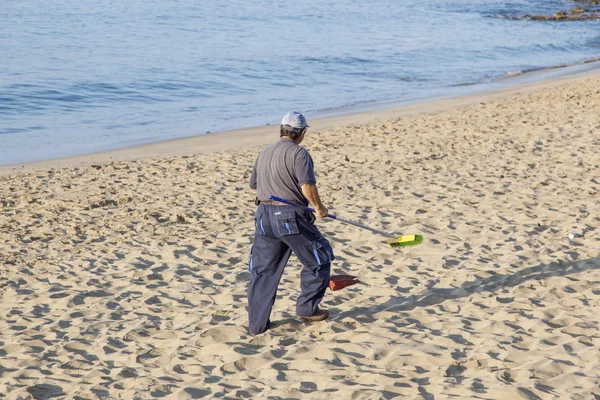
{"type": "Point", "coordinates": [127, 279]}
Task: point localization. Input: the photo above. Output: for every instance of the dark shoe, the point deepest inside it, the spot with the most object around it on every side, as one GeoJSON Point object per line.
{"type": "Point", "coordinates": [320, 315]}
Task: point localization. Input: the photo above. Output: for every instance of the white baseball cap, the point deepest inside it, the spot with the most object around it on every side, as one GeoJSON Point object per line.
{"type": "Point", "coordinates": [295, 120]}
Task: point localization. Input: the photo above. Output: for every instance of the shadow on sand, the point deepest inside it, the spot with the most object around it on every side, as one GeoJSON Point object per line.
{"type": "Point", "coordinates": [490, 284]}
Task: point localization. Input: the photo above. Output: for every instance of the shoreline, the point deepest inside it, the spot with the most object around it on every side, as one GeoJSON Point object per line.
{"type": "Point", "coordinates": [259, 136]}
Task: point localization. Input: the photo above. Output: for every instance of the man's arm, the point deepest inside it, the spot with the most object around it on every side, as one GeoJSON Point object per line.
{"type": "Point", "coordinates": [312, 194]}
{"type": "Point", "coordinates": [253, 178]}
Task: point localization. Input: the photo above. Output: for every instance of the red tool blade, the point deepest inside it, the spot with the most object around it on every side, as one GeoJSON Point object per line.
{"type": "Point", "coordinates": [337, 282]}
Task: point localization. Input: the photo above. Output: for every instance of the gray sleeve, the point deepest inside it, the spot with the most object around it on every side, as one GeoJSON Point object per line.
{"type": "Point", "coordinates": [304, 168]}
{"type": "Point", "coordinates": [253, 177]}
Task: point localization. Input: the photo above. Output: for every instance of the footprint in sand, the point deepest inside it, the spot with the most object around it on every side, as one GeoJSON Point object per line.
{"type": "Point", "coordinates": [243, 364]}
{"type": "Point", "coordinates": [128, 373]}
{"type": "Point", "coordinates": [137, 334]}
{"type": "Point", "coordinates": [150, 355]}
{"type": "Point", "coordinates": [77, 365]}
{"type": "Point", "coordinates": [45, 391]}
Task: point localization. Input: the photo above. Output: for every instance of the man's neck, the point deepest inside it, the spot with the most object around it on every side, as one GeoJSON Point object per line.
{"type": "Point", "coordinates": [289, 138]}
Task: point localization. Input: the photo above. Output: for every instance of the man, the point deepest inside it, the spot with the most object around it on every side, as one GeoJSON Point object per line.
{"type": "Point", "coordinates": [285, 169]}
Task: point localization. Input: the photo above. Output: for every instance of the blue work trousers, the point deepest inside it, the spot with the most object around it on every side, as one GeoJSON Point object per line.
{"type": "Point", "coordinates": [279, 231]}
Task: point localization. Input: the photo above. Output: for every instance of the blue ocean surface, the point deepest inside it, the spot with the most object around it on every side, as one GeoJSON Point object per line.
{"type": "Point", "coordinates": [85, 76]}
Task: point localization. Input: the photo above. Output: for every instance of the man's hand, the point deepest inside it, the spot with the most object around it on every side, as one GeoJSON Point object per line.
{"type": "Point", "coordinates": [312, 194]}
{"type": "Point", "coordinates": [321, 212]}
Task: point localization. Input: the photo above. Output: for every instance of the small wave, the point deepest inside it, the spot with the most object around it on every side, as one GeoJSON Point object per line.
{"type": "Point", "coordinates": [28, 99]}
{"type": "Point", "coordinates": [513, 73]}
{"type": "Point", "coordinates": [463, 84]}
{"type": "Point", "coordinates": [551, 47]}
{"type": "Point", "coordinates": [336, 60]}
{"type": "Point", "coordinates": [590, 60]}
{"type": "Point", "coordinates": [9, 131]}
{"type": "Point", "coordinates": [502, 15]}
{"type": "Point", "coordinates": [96, 87]}
{"type": "Point", "coordinates": [388, 76]}
{"type": "Point", "coordinates": [538, 69]}
{"type": "Point", "coordinates": [594, 42]}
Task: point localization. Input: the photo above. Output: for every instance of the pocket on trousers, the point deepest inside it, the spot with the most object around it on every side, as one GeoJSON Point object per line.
{"type": "Point", "coordinates": [318, 252]}
{"type": "Point", "coordinates": [322, 251]}
{"type": "Point", "coordinates": [286, 222]}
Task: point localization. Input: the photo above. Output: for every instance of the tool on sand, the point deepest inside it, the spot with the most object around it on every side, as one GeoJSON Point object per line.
{"type": "Point", "coordinates": [393, 241]}
{"type": "Point", "coordinates": [337, 282]}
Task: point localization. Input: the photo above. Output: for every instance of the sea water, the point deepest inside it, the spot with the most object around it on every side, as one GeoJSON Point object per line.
{"type": "Point", "coordinates": [85, 76]}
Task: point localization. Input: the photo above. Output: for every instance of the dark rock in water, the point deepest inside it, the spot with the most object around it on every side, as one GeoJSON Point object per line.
{"type": "Point", "coordinates": [591, 2]}
{"type": "Point", "coordinates": [575, 14]}
{"type": "Point", "coordinates": [577, 10]}
{"type": "Point", "coordinates": [560, 15]}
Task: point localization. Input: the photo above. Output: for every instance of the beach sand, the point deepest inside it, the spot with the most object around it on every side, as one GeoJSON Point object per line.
{"type": "Point", "coordinates": [127, 278]}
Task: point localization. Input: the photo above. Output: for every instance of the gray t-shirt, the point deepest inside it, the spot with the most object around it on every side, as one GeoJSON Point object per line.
{"type": "Point", "coordinates": [280, 170]}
